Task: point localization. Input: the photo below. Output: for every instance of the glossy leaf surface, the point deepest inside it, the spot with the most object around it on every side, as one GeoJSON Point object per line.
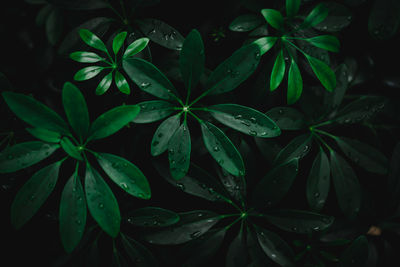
{"type": "Point", "coordinates": [179, 148]}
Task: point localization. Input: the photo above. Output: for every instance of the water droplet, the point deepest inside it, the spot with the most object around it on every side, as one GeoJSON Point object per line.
{"type": "Point", "coordinates": [166, 37]}
{"type": "Point", "coordinates": [316, 195]}
{"type": "Point", "coordinates": [124, 186]}
{"type": "Point", "coordinates": [316, 228]}
{"type": "Point", "coordinates": [179, 47]}
{"type": "Point", "coordinates": [306, 147]}
{"type": "Point", "coordinates": [236, 187]}
{"type": "Point", "coordinates": [273, 255]}
{"type": "Point", "coordinates": [221, 161]}
{"type": "Point", "coordinates": [246, 123]}
{"type": "Point", "coordinates": [130, 220]}
{"type": "Point", "coordinates": [349, 18]}
{"type": "Point", "coordinates": [280, 111]}
{"type": "Point", "coordinates": [32, 197]}
{"type": "Point", "coordinates": [257, 54]}
{"type": "Point", "coordinates": [325, 27]}
{"type": "Point", "coordinates": [141, 195]}
{"type": "Point", "coordinates": [294, 229]}
{"type": "Point", "coordinates": [238, 117]}
{"type": "Point", "coordinates": [78, 222]}
{"type": "Point", "coordinates": [101, 205]}
{"type": "Point", "coordinates": [181, 186]}
{"type": "Point", "coordinates": [195, 234]}
{"type": "Point", "coordinates": [200, 215]}
{"type": "Point", "coordinates": [264, 134]}
{"type": "Point", "coordinates": [144, 85]}
{"type": "Point", "coordinates": [9, 156]}
{"type": "Point", "coordinates": [204, 186]}
{"type": "Point", "coordinates": [253, 120]}
{"type": "Point", "coordinates": [153, 31]}
{"type": "Point", "coordinates": [252, 133]}
{"type": "Point", "coordinates": [171, 151]}
{"type": "Point", "coordinates": [216, 148]}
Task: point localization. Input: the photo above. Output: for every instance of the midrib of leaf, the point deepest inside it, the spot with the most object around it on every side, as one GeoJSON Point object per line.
{"type": "Point", "coordinates": [207, 91]}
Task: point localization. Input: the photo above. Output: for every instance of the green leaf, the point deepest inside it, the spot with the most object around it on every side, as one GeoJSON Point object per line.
{"type": "Point", "coordinates": [273, 17]}
{"type": "Point", "coordinates": [163, 134]}
{"type": "Point", "coordinates": [153, 110]}
{"type": "Point", "coordinates": [323, 72]}
{"type": "Point", "coordinates": [278, 71]}
{"type": "Point", "coordinates": [245, 120]}
{"type": "Point", "coordinates": [70, 148]}
{"type": "Point", "coordinates": [192, 225]}
{"type": "Point", "coordinates": [222, 149]}
{"type": "Point", "coordinates": [234, 185]}
{"type": "Point", "coordinates": [54, 26]}
{"type": "Point", "coordinates": [33, 194]}
{"type": "Point", "coordinates": [101, 202]}
{"type": "Point", "coordinates": [72, 213]}
{"type": "Point", "coordinates": [318, 182]}
{"type": "Point", "coordinates": [104, 84]}
{"type": "Point", "coordinates": [192, 59]}
{"type": "Point", "coordinates": [122, 83]}
{"type": "Point", "coordinates": [274, 186]}
{"type": "Point", "coordinates": [179, 148]}
{"type": "Point", "coordinates": [87, 73]}
{"type": "Point", "coordinates": [234, 70]}
{"type": "Point", "coordinates": [35, 113]}
{"type": "Point", "coordinates": [125, 174]}
{"type": "Point", "coordinates": [245, 23]}
{"type": "Point", "coordinates": [118, 42]}
{"type": "Point", "coordinates": [292, 7]}
{"type": "Point", "coordinates": [334, 99]}
{"type": "Point", "coordinates": [287, 118]}
{"type": "Point", "coordinates": [316, 16]}
{"type": "Point", "coordinates": [363, 155]}
{"type": "Point", "coordinates": [86, 57]}
{"type": "Point", "coordinates": [152, 217]}
{"type": "Point", "coordinates": [265, 43]}
{"type": "Point", "coordinates": [112, 121]}
{"type": "Point", "coordinates": [275, 247]}
{"type": "Point", "coordinates": [23, 155]}
{"type": "Point", "coordinates": [138, 254]}
{"type": "Point", "coordinates": [295, 83]}
{"type": "Point", "coordinates": [149, 78]}
{"type": "Point", "coordinates": [136, 47]}
{"type": "Point", "coordinates": [356, 255]}
{"type": "Point", "coordinates": [76, 110]}
{"type": "Point", "coordinates": [347, 187]}
{"type": "Point", "coordinates": [297, 148]}
{"type": "Point", "coordinates": [339, 17]}
{"type": "Point", "coordinates": [45, 135]}
{"type": "Point", "coordinates": [92, 40]}
{"type": "Point", "coordinates": [237, 255]}
{"type": "Point", "coordinates": [298, 221]}
{"type": "Point", "coordinates": [327, 42]}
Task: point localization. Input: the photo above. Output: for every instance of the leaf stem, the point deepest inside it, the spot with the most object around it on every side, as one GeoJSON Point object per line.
{"type": "Point", "coordinates": [321, 124]}
{"type": "Point", "coordinates": [319, 138]}
{"type": "Point", "coordinates": [232, 223]}
{"type": "Point", "coordinates": [327, 134]}
{"type": "Point", "coordinates": [194, 116]}
{"type": "Point", "coordinates": [207, 92]}
{"type": "Point", "coordinates": [114, 10]}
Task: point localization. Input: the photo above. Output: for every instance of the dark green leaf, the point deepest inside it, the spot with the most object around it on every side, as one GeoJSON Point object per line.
{"type": "Point", "coordinates": [323, 72]}
{"type": "Point", "coordinates": [125, 174]}
{"type": "Point", "coordinates": [234, 185]}
{"type": "Point", "coordinates": [278, 71]}
{"type": "Point", "coordinates": [384, 19]}
{"type": "Point", "coordinates": [265, 43]}
{"type": "Point", "coordinates": [347, 187]}
{"type": "Point", "coordinates": [335, 98]}
{"type": "Point", "coordinates": [292, 7]}
{"type": "Point", "coordinates": [85, 57]}
{"type": "Point", "coordinates": [327, 42]}
{"type": "Point", "coordinates": [274, 186]}
{"type": "Point", "coordinates": [222, 150]}
{"type": "Point", "coordinates": [273, 17]}
{"type": "Point", "coordinates": [245, 120]}
{"type": "Point", "coordinates": [192, 225]}
{"type": "Point", "coordinates": [138, 254]}
{"type": "Point", "coordinates": [70, 148]}
{"type": "Point", "coordinates": [112, 121]}
{"type": "Point", "coordinates": [35, 113]}
{"type": "Point", "coordinates": [135, 47]}
{"type": "Point", "coordinates": [54, 25]}
{"type": "Point", "coordinates": [122, 83]}
{"type": "Point", "coordinates": [316, 16]}
{"type": "Point", "coordinates": [339, 17]}
{"type": "Point", "coordinates": [76, 110]}
{"type": "Point", "coordinates": [33, 194]}
{"type": "Point", "coordinates": [318, 182]}
{"type": "Point", "coordinates": [92, 40]}
{"type": "Point", "coordinates": [152, 217]}
{"type": "Point", "coordinates": [192, 59]}
{"type": "Point", "coordinates": [287, 118]}
{"type": "Point", "coordinates": [179, 148]}
{"type": "Point", "coordinates": [118, 42]}
{"type": "Point", "coordinates": [23, 155]}
{"type": "Point", "coordinates": [356, 254]}
{"type": "Point", "coordinates": [297, 148]}
{"type": "Point", "coordinates": [72, 213]}
{"type": "Point", "coordinates": [154, 110]}
{"type": "Point", "coordinates": [104, 84]}
{"type": "Point", "coordinates": [45, 135]}
{"type": "Point", "coordinates": [101, 202]}
{"type": "Point", "coordinates": [295, 83]}
{"type": "Point", "coordinates": [237, 254]}
{"type": "Point", "coordinates": [245, 23]}
{"type": "Point", "coordinates": [87, 73]}
{"type": "Point", "coordinates": [163, 134]}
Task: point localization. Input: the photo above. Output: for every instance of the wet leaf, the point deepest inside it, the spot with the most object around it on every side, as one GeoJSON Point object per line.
{"type": "Point", "coordinates": [163, 134]}
{"type": "Point", "coordinates": [278, 71]}
{"type": "Point", "coordinates": [153, 110]}
{"type": "Point", "coordinates": [152, 217]}
{"type": "Point", "coordinates": [179, 148]}
{"type": "Point", "coordinates": [297, 148]}
{"type": "Point", "coordinates": [245, 23]}
{"type": "Point", "coordinates": [70, 148]}
{"type": "Point", "coordinates": [287, 118]}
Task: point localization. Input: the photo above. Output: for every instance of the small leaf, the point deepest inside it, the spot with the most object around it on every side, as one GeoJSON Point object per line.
{"type": "Point", "coordinates": [86, 57]}
{"type": "Point", "coordinates": [45, 135]}
{"type": "Point", "coordinates": [118, 42]}
{"type": "Point", "coordinates": [136, 47]}
{"type": "Point", "coordinates": [245, 23]}
{"type": "Point", "coordinates": [179, 148]}
{"type": "Point", "coordinates": [356, 255]}
{"type": "Point", "coordinates": [138, 254]}
{"type": "Point", "coordinates": [76, 109]}
{"type": "Point", "coordinates": [192, 224]}
{"type": "Point", "coordinates": [72, 213]}
{"type": "Point", "coordinates": [101, 202]}
{"type": "Point", "coordinates": [153, 110]}
{"type": "Point", "coordinates": [316, 16]}
{"type": "Point", "coordinates": [323, 72]}
{"type": "Point", "coordinates": [112, 121]}
{"type": "Point", "coordinates": [273, 17]}
{"type": "Point", "coordinates": [35, 113]}
{"type": "Point", "coordinates": [292, 7]}
{"type": "Point", "coordinates": [87, 73]}
{"type": "Point", "coordinates": [278, 71]}
{"type": "Point", "coordinates": [70, 148]}
{"type": "Point", "coordinates": [152, 217]}
{"type": "Point", "coordinates": [287, 118]}
{"type": "Point", "coordinates": [163, 134]}
{"type": "Point", "coordinates": [222, 149]}
{"type": "Point", "coordinates": [92, 40]}
{"type": "Point", "coordinates": [245, 120]}
{"type": "Point", "coordinates": [23, 155]}
{"type": "Point", "coordinates": [297, 148]}
{"type": "Point", "coordinates": [122, 83]}
{"type": "Point", "coordinates": [33, 194]}
{"type": "Point", "coordinates": [265, 43]}
{"type": "Point", "coordinates": [327, 42]}
{"type": "Point", "coordinates": [104, 84]}
{"type": "Point", "coordinates": [295, 83]}
{"type": "Point", "coordinates": [125, 174]}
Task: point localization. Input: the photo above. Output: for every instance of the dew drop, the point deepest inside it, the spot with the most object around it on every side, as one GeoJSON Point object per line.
{"type": "Point", "coordinates": [316, 195]}
{"type": "Point", "coordinates": [246, 123]}
{"type": "Point", "coordinates": [306, 147]}
{"type": "Point", "coordinates": [32, 197]}
{"type": "Point", "coordinates": [200, 215]}
{"type": "Point", "coordinates": [264, 134]}
{"type": "Point", "coordinates": [238, 117]}
{"type": "Point", "coordinates": [171, 151]}
{"type": "Point", "coordinates": [252, 133]}
{"type": "Point", "coordinates": [101, 205]}
{"type": "Point", "coordinates": [294, 229]}
{"type": "Point", "coordinates": [236, 187]}
{"type": "Point", "coordinates": [221, 161]}
{"type": "Point", "coordinates": [181, 186]}
{"type": "Point", "coordinates": [78, 222]}
{"type": "Point", "coordinates": [195, 234]}
{"type": "Point", "coordinates": [273, 255]}
{"type": "Point", "coordinates": [325, 28]}
{"type": "Point", "coordinates": [349, 18]}
{"type": "Point", "coordinates": [316, 228]}
{"type": "Point", "coordinates": [141, 195]}
{"type": "Point", "coordinates": [216, 148]}
{"type": "Point", "coordinates": [144, 85]}
{"type": "Point", "coordinates": [124, 186]}
{"type": "Point", "coordinates": [257, 54]}
{"type": "Point", "coordinates": [280, 111]}
{"type": "Point", "coordinates": [153, 31]}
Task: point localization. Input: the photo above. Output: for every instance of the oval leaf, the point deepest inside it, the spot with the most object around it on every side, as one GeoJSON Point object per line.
{"type": "Point", "coordinates": [104, 84]}
{"type": "Point", "coordinates": [327, 42]}
{"type": "Point", "coordinates": [179, 148]}
{"type": "Point", "coordinates": [278, 71]}
{"type": "Point", "coordinates": [323, 72]}
{"type": "Point", "coordinates": [152, 217]}
{"type": "Point", "coordinates": [295, 83]}
{"type": "Point", "coordinates": [265, 43]}
{"type": "Point", "coordinates": [135, 47]}
{"type": "Point", "coordinates": [316, 16]}
{"type": "Point", "coordinates": [122, 83]}
{"type": "Point", "coordinates": [45, 135]}
{"type": "Point", "coordinates": [154, 110]}
{"type": "Point", "coordinates": [87, 73]}
{"type": "Point", "coordinates": [292, 7]}
{"type": "Point", "coordinates": [118, 42]}
{"type": "Point", "coordinates": [245, 23]}
{"type": "Point", "coordinates": [338, 18]}
{"type": "Point", "coordinates": [163, 134]}
{"type": "Point", "coordinates": [273, 17]}
{"type": "Point", "coordinates": [92, 40]}
{"type": "Point", "coordinates": [86, 57]}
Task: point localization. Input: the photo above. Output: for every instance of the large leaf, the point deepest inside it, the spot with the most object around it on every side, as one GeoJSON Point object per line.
{"type": "Point", "coordinates": [316, 16]}
{"type": "Point", "coordinates": [245, 120]}
{"type": "Point", "coordinates": [356, 255]}
{"type": "Point", "coordinates": [287, 118]}
{"type": "Point", "coordinates": [45, 135]}
{"type": "Point", "coordinates": [295, 83]}
{"type": "Point", "coordinates": [23, 155]}
{"type": "Point", "coordinates": [163, 134]}
{"type": "Point", "coordinates": [274, 186]}
{"type": "Point", "coordinates": [292, 7]}
{"type": "Point", "coordinates": [35, 113]}
{"type": "Point", "coordinates": [112, 121]}
{"type": "Point", "coordinates": [245, 23]}
{"type": "Point", "coordinates": [118, 42]}
{"type": "Point", "coordinates": [297, 148]}
{"type": "Point", "coordinates": [193, 224]}
{"type": "Point", "coordinates": [179, 148]}
{"type": "Point", "coordinates": [323, 72]}
{"type": "Point", "coordinates": [76, 110]}
{"type": "Point", "coordinates": [72, 213]}
{"type": "Point", "coordinates": [92, 40]}
{"type": "Point", "coordinates": [33, 194]}
{"type": "Point", "coordinates": [273, 17]}
{"type": "Point", "coordinates": [70, 148]}
{"type": "Point", "coordinates": [153, 110]}
{"type": "Point", "coordinates": [101, 202]}
{"type": "Point", "coordinates": [222, 149]}
{"type": "Point", "coordinates": [149, 78]}
{"type": "Point", "coordinates": [278, 71]}
{"type": "Point", "coordinates": [152, 217]}
{"type": "Point", "coordinates": [125, 174]}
